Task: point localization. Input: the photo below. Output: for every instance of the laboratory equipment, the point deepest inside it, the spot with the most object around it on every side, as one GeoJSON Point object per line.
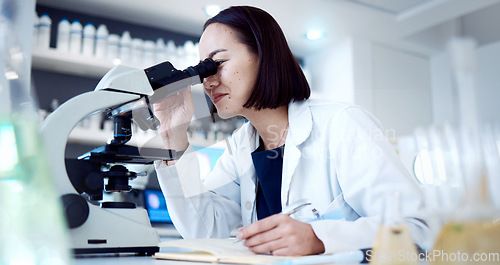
{"type": "Point", "coordinates": [125, 47]}
{"type": "Point", "coordinates": [457, 166]}
{"type": "Point", "coordinates": [124, 94]}
{"type": "Point", "coordinates": [101, 41]}
{"type": "Point", "coordinates": [88, 39]}
{"type": "Point", "coordinates": [63, 32]}
{"type": "Point", "coordinates": [75, 37]}
{"type": "Point", "coordinates": [393, 243]}
{"type": "Point", "coordinates": [32, 228]}
{"type": "Point", "coordinates": [137, 51]}
{"type": "Point", "coordinates": [113, 47]}
{"type": "Point", "coordinates": [44, 27]}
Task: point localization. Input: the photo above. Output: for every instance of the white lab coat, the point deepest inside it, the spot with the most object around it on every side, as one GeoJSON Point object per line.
{"type": "Point", "coordinates": [335, 155]}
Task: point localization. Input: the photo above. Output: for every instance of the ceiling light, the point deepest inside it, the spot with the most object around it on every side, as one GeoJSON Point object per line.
{"type": "Point", "coordinates": [314, 34]}
{"type": "Point", "coordinates": [212, 10]}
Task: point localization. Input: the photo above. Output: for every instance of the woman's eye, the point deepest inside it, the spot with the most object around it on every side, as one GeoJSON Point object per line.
{"type": "Point", "coordinates": [219, 62]}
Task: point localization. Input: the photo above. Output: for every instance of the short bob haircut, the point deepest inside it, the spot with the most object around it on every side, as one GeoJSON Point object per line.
{"type": "Point", "coordinates": [279, 78]}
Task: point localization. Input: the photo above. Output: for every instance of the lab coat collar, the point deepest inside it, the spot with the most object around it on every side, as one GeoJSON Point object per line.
{"type": "Point", "coordinates": [300, 127]}
{"type": "Point", "coordinates": [300, 122]}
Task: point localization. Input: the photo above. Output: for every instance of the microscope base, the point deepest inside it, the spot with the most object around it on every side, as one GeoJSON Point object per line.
{"type": "Point", "coordinates": [114, 230]}
{"type": "Point", "coordinates": [140, 251]}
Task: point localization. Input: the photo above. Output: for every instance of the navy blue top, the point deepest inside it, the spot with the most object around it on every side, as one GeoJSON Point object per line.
{"type": "Point", "coordinates": [268, 167]}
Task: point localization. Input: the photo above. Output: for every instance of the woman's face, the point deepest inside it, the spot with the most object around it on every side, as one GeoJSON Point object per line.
{"type": "Point", "coordinates": [231, 87]}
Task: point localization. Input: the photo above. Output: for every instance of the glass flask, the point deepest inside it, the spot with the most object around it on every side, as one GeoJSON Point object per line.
{"type": "Point", "coordinates": [32, 228]}
{"type": "Point", "coordinates": [459, 166]}
{"type": "Point", "coordinates": [393, 243]}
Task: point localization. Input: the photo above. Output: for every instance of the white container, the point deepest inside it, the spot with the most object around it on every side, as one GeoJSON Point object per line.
{"type": "Point", "coordinates": [63, 32]}
{"type": "Point", "coordinates": [160, 51]}
{"type": "Point", "coordinates": [88, 40]}
{"type": "Point", "coordinates": [44, 26]}
{"type": "Point", "coordinates": [34, 40]}
{"type": "Point", "coordinates": [182, 60]}
{"type": "Point", "coordinates": [113, 47]}
{"type": "Point", "coordinates": [75, 38]}
{"type": "Point", "coordinates": [101, 41]}
{"type": "Point", "coordinates": [191, 54]}
{"type": "Point", "coordinates": [137, 51]}
{"type": "Point", "coordinates": [171, 52]}
{"type": "Point", "coordinates": [125, 47]}
{"type": "Point", "coordinates": [149, 53]}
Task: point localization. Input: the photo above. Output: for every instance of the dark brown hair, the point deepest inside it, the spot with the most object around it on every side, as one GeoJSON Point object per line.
{"type": "Point", "coordinates": [279, 78]}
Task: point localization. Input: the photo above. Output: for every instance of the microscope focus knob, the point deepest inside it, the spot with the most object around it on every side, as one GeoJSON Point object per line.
{"type": "Point", "coordinates": [76, 209]}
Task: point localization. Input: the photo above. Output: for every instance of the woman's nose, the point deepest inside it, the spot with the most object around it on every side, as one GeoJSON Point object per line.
{"type": "Point", "coordinates": [211, 82]}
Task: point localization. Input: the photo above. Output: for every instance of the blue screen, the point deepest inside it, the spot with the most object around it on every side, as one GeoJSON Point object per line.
{"type": "Point", "coordinates": [155, 202]}
{"type": "Point", "coordinates": [156, 206]}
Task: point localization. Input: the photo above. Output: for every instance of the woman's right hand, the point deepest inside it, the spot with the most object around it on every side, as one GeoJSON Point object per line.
{"type": "Point", "coordinates": [175, 113]}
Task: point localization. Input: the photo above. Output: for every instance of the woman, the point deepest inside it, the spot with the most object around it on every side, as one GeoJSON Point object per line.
{"type": "Point", "coordinates": [291, 149]}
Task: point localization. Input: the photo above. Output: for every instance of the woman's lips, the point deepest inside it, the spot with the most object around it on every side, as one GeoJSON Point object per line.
{"type": "Point", "coordinates": [218, 97]}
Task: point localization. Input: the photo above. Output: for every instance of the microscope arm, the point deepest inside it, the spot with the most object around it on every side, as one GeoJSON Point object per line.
{"type": "Point", "coordinates": [57, 127]}
{"type": "Point", "coordinates": [112, 228]}
{"type": "Point", "coordinates": [121, 85]}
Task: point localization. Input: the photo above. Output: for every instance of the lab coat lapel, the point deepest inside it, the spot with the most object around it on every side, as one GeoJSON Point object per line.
{"type": "Point", "coordinates": [248, 184]}
{"type": "Point", "coordinates": [300, 127]}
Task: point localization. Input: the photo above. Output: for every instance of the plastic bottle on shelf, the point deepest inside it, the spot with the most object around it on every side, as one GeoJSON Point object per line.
{"type": "Point", "coordinates": [113, 47]}
{"type": "Point", "coordinates": [125, 47]}
{"type": "Point", "coordinates": [181, 61]}
{"type": "Point", "coordinates": [101, 41]}
{"type": "Point", "coordinates": [63, 32]}
{"type": "Point", "coordinates": [190, 53]}
{"type": "Point", "coordinates": [160, 51]}
{"type": "Point", "coordinates": [137, 51]}
{"type": "Point", "coordinates": [149, 53]}
{"type": "Point", "coordinates": [44, 27]}
{"type": "Point", "coordinates": [88, 40]}
{"type": "Point", "coordinates": [171, 51]}
{"type": "Point", "coordinates": [34, 40]}
{"type": "Point", "coordinates": [75, 38]}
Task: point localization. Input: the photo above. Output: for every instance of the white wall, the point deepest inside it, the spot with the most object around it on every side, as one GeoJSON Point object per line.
{"type": "Point", "coordinates": [331, 72]}
{"type": "Point", "coordinates": [487, 88]}
{"type": "Point", "coordinates": [402, 90]}
{"type": "Point", "coordinates": [488, 82]}
{"type": "Point", "coordinates": [393, 84]}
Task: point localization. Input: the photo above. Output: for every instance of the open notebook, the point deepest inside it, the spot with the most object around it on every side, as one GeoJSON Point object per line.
{"type": "Point", "coordinates": [214, 250]}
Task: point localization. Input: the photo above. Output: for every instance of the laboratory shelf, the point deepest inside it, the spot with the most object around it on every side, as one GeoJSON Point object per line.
{"type": "Point", "coordinates": [55, 61]}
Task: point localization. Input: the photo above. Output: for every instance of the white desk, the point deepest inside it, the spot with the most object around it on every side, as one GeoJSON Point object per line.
{"type": "Point", "coordinates": [128, 260]}
{"type": "Point", "coordinates": [136, 260]}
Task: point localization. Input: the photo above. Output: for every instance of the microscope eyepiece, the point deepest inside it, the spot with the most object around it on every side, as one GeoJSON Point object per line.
{"type": "Point", "coordinates": [204, 69]}
{"type": "Point", "coordinates": [164, 74]}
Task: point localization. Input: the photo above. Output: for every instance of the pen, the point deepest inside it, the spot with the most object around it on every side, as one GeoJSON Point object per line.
{"type": "Point", "coordinates": [289, 210]}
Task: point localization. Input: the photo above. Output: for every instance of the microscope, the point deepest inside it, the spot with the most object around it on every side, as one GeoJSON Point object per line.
{"type": "Point", "coordinates": [126, 95]}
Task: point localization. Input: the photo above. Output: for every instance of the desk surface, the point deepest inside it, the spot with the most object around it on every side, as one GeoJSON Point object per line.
{"type": "Point", "coordinates": [128, 260]}
{"type": "Point", "coordinates": [135, 260]}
